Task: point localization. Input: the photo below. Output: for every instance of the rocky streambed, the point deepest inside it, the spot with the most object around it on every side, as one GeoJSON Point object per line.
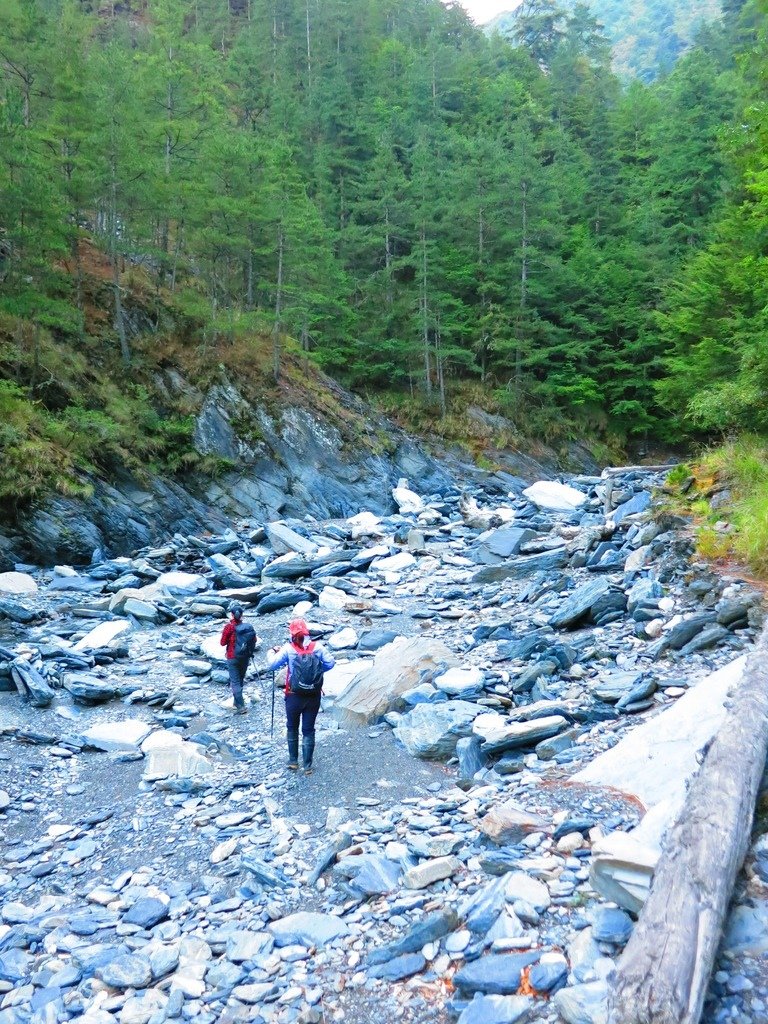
{"type": "Point", "coordinates": [484, 817]}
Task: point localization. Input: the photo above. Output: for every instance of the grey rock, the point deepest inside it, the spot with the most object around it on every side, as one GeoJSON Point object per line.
{"type": "Point", "coordinates": [583, 1004]}
{"type": "Point", "coordinates": [308, 929]}
{"type": "Point", "coordinates": [497, 545]}
{"type": "Point", "coordinates": [146, 912]}
{"type": "Point", "coordinates": [610, 925]}
{"type": "Point", "coordinates": [471, 760]}
{"type": "Point", "coordinates": [399, 968]}
{"type": "Point", "coordinates": [433, 730]}
{"type": "Point", "coordinates": [495, 974]}
{"type": "Point", "coordinates": [497, 1010]}
{"type": "Point", "coordinates": [126, 971]}
{"type": "Point", "coordinates": [267, 876]}
{"type": "Point", "coordinates": [30, 684]}
{"type": "Point", "coordinates": [433, 926]}
{"type": "Point", "coordinates": [369, 873]}
{"type": "Point", "coordinates": [579, 604]}
{"type": "Point", "coordinates": [549, 974]}
{"type": "Point", "coordinates": [640, 502]}
{"type": "Point", "coordinates": [520, 567]}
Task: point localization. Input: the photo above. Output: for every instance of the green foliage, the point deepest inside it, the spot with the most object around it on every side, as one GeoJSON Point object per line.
{"type": "Point", "coordinates": [421, 207]}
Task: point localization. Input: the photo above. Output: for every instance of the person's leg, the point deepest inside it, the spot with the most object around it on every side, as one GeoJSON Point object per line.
{"type": "Point", "coordinates": [309, 715]}
{"type": "Point", "coordinates": [292, 716]}
{"type": "Point", "coordinates": [236, 681]}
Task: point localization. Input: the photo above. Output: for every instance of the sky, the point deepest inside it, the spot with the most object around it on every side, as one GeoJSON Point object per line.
{"type": "Point", "coordinates": [483, 10]}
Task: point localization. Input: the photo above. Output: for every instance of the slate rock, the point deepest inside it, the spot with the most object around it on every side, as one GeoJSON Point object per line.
{"type": "Point", "coordinates": [583, 1004]}
{"type": "Point", "coordinates": [373, 639]}
{"type": "Point", "coordinates": [611, 925]}
{"type": "Point", "coordinates": [146, 912]}
{"type": "Point", "coordinates": [398, 968]}
{"type": "Point", "coordinates": [550, 973]}
{"type": "Point", "coordinates": [496, 1010]}
{"type": "Point", "coordinates": [267, 876]}
{"type": "Point", "coordinates": [640, 502]}
{"type": "Point", "coordinates": [496, 973]}
{"type": "Point", "coordinates": [521, 566]}
{"type": "Point", "coordinates": [307, 929]}
{"type": "Point", "coordinates": [125, 971]}
{"type": "Point", "coordinates": [471, 760]}
{"type": "Point", "coordinates": [578, 605]}
{"type": "Point", "coordinates": [493, 547]}
{"type": "Point", "coordinates": [87, 689]}
{"type": "Point", "coordinates": [432, 731]}
{"type": "Point", "coordinates": [432, 927]}
{"type": "Point", "coordinates": [369, 873]}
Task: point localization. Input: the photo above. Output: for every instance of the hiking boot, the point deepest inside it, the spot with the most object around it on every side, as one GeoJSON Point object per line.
{"type": "Point", "coordinates": [307, 750]}
{"type": "Point", "coordinates": [293, 751]}
{"type": "Point", "coordinates": [241, 711]}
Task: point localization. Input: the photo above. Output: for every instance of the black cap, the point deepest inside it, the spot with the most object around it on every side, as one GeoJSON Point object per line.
{"type": "Point", "coordinates": [237, 611]}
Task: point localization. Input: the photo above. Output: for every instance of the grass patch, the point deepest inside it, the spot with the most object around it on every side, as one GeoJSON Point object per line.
{"type": "Point", "coordinates": [740, 468]}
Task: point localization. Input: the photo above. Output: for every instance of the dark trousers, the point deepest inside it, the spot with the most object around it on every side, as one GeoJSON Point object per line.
{"type": "Point", "coordinates": [237, 668]}
{"type": "Point", "coordinates": [301, 709]}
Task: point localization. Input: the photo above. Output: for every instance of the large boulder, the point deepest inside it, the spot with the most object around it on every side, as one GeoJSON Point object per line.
{"type": "Point", "coordinates": [433, 730]}
{"type": "Point", "coordinates": [397, 667]}
{"type": "Point", "coordinates": [554, 496]}
{"type": "Point", "coordinates": [18, 583]}
{"type": "Point", "coordinates": [496, 545]}
{"type": "Point", "coordinates": [578, 605]}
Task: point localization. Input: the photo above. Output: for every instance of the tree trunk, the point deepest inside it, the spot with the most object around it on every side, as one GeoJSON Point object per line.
{"type": "Point", "coordinates": [523, 284]}
{"type": "Point", "coordinates": [663, 975]}
{"type": "Point", "coordinates": [425, 315]}
{"type": "Point", "coordinates": [278, 304]}
{"type": "Point", "coordinates": [122, 334]}
{"type": "Point", "coordinates": [309, 54]}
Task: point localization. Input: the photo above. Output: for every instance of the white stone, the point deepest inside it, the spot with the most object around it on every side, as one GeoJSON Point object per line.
{"type": "Point", "coordinates": [211, 648]}
{"type": "Point", "coordinates": [125, 735]}
{"type": "Point", "coordinates": [102, 635]}
{"type": "Point", "coordinates": [182, 759]}
{"type": "Point", "coordinates": [622, 869]}
{"type": "Point", "coordinates": [459, 682]}
{"type": "Point", "coordinates": [393, 563]}
{"type": "Point", "coordinates": [344, 640]}
{"type": "Point", "coordinates": [555, 496]}
{"type": "Point", "coordinates": [20, 583]}
{"type": "Point", "coordinates": [407, 500]}
{"type": "Point", "coordinates": [160, 739]}
{"type": "Point", "coordinates": [300, 609]}
{"type": "Point", "coordinates": [431, 871]}
{"type": "Point", "coordinates": [364, 524]}
{"type": "Point", "coordinates": [182, 583]}
{"type": "Point", "coordinates": [283, 539]}
{"type": "Point", "coordinates": [333, 599]}
{"type": "Point", "coordinates": [140, 609]}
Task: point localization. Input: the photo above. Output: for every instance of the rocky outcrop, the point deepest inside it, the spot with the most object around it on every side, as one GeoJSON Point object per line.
{"type": "Point", "coordinates": [292, 463]}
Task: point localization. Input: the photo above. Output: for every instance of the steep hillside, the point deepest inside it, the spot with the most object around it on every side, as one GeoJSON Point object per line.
{"type": "Point", "coordinates": [646, 38]}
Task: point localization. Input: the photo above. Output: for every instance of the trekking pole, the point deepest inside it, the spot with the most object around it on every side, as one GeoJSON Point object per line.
{"type": "Point", "coordinates": [272, 726]}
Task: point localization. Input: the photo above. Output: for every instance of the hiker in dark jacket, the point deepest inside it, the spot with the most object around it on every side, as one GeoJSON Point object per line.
{"type": "Point", "coordinates": [240, 640]}
{"type": "Point", "coordinates": [306, 662]}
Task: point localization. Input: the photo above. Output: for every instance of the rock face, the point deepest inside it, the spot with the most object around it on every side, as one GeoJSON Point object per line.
{"type": "Point", "coordinates": [301, 463]}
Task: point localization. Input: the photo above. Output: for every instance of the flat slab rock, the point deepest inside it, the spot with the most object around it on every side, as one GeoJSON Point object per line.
{"type": "Point", "coordinates": [655, 761]}
{"type": "Point", "coordinates": [125, 735]}
{"type": "Point", "coordinates": [307, 929]}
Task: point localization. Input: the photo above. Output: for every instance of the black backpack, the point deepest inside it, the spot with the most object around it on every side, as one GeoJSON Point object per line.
{"type": "Point", "coordinates": [306, 674]}
{"type": "Point", "coordinates": [245, 640]}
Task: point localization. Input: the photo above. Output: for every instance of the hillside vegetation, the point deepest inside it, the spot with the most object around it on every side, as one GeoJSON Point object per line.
{"type": "Point", "coordinates": [430, 213]}
{"type": "Point", "coordinates": [646, 38]}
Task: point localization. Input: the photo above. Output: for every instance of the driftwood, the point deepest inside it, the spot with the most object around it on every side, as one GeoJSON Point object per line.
{"type": "Point", "coordinates": [616, 470]}
{"type": "Point", "coordinates": [663, 974]}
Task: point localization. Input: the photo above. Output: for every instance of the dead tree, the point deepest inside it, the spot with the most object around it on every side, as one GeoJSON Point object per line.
{"type": "Point", "coordinates": [663, 975]}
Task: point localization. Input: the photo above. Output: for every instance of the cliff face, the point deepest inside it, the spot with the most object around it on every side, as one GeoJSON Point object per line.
{"type": "Point", "coordinates": [289, 462]}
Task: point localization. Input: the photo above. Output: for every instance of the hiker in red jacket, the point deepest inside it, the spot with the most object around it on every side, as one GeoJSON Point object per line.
{"type": "Point", "coordinates": [306, 662]}
{"type": "Point", "coordinates": [240, 640]}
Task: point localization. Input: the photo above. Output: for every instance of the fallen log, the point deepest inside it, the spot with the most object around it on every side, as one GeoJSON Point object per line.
{"type": "Point", "coordinates": [663, 974]}
{"type": "Point", "coordinates": [616, 470]}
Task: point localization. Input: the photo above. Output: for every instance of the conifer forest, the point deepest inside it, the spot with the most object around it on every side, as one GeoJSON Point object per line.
{"type": "Point", "coordinates": [420, 205]}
